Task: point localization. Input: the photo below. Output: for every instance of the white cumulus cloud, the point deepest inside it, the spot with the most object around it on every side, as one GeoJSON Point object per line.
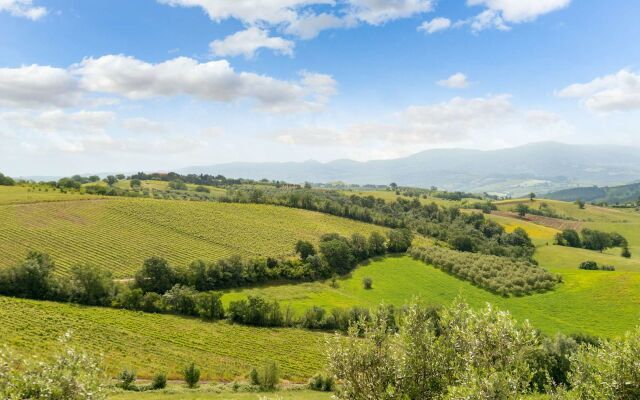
{"type": "Point", "coordinates": [615, 92]}
{"type": "Point", "coordinates": [435, 25]}
{"type": "Point", "coordinates": [212, 81]}
{"type": "Point", "coordinates": [499, 14]}
{"type": "Point", "coordinates": [23, 8]}
{"type": "Point", "coordinates": [37, 86]}
{"type": "Point", "coordinates": [249, 41]}
{"type": "Point", "coordinates": [455, 81]}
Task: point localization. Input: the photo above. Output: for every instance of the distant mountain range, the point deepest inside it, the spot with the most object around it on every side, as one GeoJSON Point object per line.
{"type": "Point", "coordinates": [538, 167]}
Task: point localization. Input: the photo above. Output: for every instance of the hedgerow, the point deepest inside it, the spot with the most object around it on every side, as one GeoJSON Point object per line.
{"type": "Point", "coordinates": [504, 276]}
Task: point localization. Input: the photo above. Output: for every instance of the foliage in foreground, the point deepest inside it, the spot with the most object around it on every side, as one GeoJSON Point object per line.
{"type": "Point", "coordinates": [71, 375]}
{"type": "Point", "coordinates": [499, 275]}
{"type": "Point", "coordinates": [459, 353]}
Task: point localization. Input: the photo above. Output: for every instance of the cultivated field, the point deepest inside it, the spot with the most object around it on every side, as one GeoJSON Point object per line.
{"type": "Point", "coordinates": [153, 343]}
{"type": "Point", "coordinates": [119, 233]}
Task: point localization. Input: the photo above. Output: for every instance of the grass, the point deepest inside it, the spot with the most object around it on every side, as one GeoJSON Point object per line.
{"type": "Point", "coordinates": [119, 233]}
{"type": "Point", "coordinates": [594, 302]}
{"type": "Point", "coordinates": [390, 196]}
{"type": "Point", "coordinates": [173, 394]}
{"type": "Point", "coordinates": [36, 194]}
{"type": "Point", "coordinates": [152, 343]}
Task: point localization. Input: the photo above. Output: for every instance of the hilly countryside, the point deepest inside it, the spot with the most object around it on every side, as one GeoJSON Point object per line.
{"type": "Point", "coordinates": [319, 199]}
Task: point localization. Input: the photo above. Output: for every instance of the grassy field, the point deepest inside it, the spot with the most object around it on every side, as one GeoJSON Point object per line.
{"type": "Point", "coordinates": [119, 233]}
{"type": "Point", "coordinates": [152, 343]}
{"type": "Point", "coordinates": [36, 194]}
{"type": "Point", "coordinates": [622, 220]}
{"type": "Point", "coordinates": [594, 302]}
{"type": "Point", "coordinates": [215, 393]}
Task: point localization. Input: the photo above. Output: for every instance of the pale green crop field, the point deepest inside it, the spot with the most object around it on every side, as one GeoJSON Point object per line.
{"type": "Point", "coordinates": [152, 343]}
{"type": "Point", "coordinates": [119, 233]}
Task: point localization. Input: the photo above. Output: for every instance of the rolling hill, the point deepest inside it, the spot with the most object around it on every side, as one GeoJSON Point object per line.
{"type": "Point", "coordinates": [609, 194]}
{"type": "Point", "coordinates": [539, 167]}
{"type": "Point", "coordinates": [119, 233]}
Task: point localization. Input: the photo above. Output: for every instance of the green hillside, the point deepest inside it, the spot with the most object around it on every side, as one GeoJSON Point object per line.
{"type": "Point", "coordinates": [119, 233]}
{"type": "Point", "coordinates": [153, 343]}
{"type": "Point", "coordinates": [623, 194]}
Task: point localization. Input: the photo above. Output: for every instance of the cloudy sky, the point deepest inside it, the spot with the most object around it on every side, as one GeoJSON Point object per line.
{"type": "Point", "coordinates": [122, 85]}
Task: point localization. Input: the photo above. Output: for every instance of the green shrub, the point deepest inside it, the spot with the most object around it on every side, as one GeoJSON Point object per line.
{"type": "Point", "coordinates": [322, 383]}
{"type": "Point", "coordinates": [191, 375]}
{"type": "Point", "coordinates": [71, 375]}
{"type": "Point", "coordinates": [268, 376]}
{"type": "Point", "coordinates": [254, 378]}
{"type": "Point", "coordinates": [368, 283]}
{"type": "Point", "coordinates": [127, 379]}
{"type": "Point", "coordinates": [159, 381]}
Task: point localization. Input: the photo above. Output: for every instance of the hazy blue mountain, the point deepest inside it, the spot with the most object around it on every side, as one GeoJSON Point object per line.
{"type": "Point", "coordinates": [540, 167]}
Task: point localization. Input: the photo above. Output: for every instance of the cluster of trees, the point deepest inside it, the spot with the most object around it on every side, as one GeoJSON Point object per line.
{"type": "Point", "coordinates": [6, 180]}
{"type": "Point", "coordinates": [594, 266]}
{"type": "Point", "coordinates": [592, 239]}
{"type": "Point", "coordinates": [499, 275]}
{"type": "Point", "coordinates": [460, 353]}
{"type": "Point", "coordinates": [543, 210]}
{"type": "Point", "coordinates": [201, 179]}
{"type": "Point", "coordinates": [467, 232]}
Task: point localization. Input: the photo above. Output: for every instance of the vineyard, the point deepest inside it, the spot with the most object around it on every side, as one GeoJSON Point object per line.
{"type": "Point", "coordinates": [152, 343]}
{"type": "Point", "coordinates": [119, 233]}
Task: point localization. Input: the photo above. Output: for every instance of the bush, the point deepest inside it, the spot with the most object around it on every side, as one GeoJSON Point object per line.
{"type": "Point", "coordinates": [304, 249]}
{"type": "Point", "coordinates": [127, 379]}
{"type": "Point", "coordinates": [625, 252]}
{"type": "Point", "coordinates": [191, 375]}
{"type": "Point", "coordinates": [203, 189]}
{"type": "Point", "coordinates": [589, 265]}
{"type": "Point", "coordinates": [256, 311]}
{"type": "Point", "coordinates": [159, 381]}
{"type": "Point", "coordinates": [322, 383]}
{"type": "Point", "coordinates": [399, 240]}
{"type": "Point", "coordinates": [368, 283]}
{"type": "Point", "coordinates": [267, 377]}
{"type": "Point", "coordinates": [593, 266]}
{"type": "Point", "coordinates": [70, 375]}
{"type": "Point", "coordinates": [6, 181]}
{"type": "Point", "coordinates": [609, 371]}
{"type": "Point", "coordinates": [462, 354]}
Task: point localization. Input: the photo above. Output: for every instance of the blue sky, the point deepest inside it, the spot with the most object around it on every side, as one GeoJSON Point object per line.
{"type": "Point", "coordinates": [120, 85]}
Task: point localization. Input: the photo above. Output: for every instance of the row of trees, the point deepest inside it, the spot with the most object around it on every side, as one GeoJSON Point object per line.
{"type": "Point", "coordinates": [463, 231]}
{"type": "Point", "coordinates": [499, 275]}
{"type": "Point", "coordinates": [159, 287]}
{"type": "Point", "coordinates": [592, 239]}
{"type": "Point", "coordinates": [461, 353]}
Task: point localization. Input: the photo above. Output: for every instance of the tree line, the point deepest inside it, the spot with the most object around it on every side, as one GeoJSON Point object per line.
{"type": "Point", "coordinates": [158, 287]}
{"type": "Point", "coordinates": [592, 239]}
{"type": "Point", "coordinates": [470, 232]}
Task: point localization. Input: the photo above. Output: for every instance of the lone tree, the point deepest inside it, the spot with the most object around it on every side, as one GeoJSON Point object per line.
{"type": "Point", "coordinates": [580, 203]}
{"type": "Point", "coordinates": [532, 196]}
{"type": "Point", "coordinates": [522, 209]}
